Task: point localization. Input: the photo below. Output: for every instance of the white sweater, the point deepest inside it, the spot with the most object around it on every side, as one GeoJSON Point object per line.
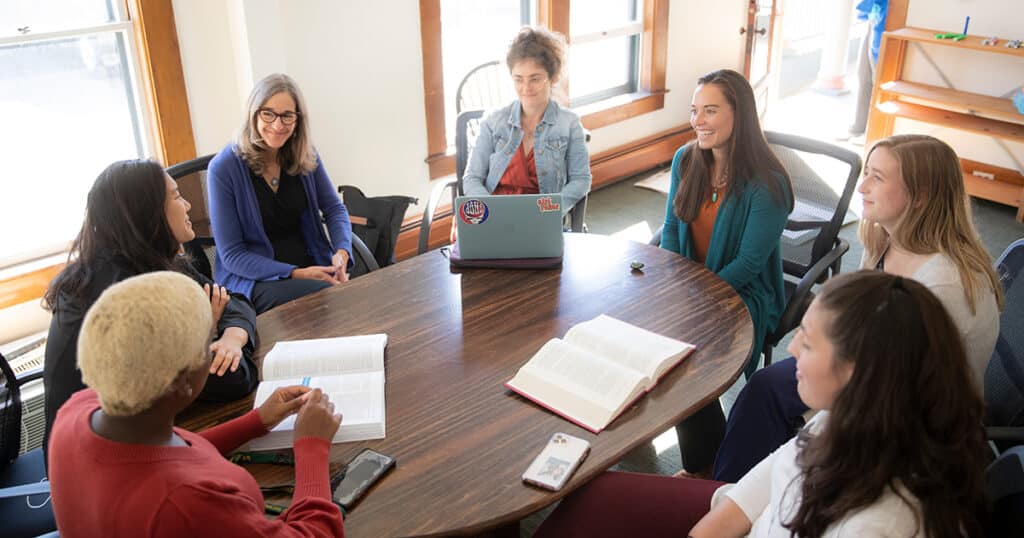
{"type": "Point", "coordinates": [770, 495]}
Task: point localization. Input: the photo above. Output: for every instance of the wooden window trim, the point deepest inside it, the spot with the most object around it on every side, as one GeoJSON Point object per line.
{"type": "Point", "coordinates": [162, 85]}
{"type": "Point", "coordinates": [553, 14]}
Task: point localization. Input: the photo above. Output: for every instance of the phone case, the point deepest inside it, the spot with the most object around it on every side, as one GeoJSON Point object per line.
{"type": "Point", "coordinates": [360, 474]}
{"type": "Point", "coordinates": [554, 465]}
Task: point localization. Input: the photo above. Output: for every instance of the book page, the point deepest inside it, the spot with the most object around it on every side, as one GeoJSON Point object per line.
{"type": "Point", "coordinates": [358, 397]}
{"type": "Point", "coordinates": [640, 350]}
{"type": "Point", "coordinates": [325, 356]}
{"type": "Point", "coordinates": [586, 375]}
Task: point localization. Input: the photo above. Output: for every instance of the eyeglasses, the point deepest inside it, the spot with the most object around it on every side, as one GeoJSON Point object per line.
{"type": "Point", "coordinates": [269, 116]}
{"type": "Point", "coordinates": [532, 82]}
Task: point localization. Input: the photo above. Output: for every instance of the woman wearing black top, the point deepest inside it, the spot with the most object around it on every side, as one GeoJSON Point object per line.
{"type": "Point", "coordinates": [135, 222]}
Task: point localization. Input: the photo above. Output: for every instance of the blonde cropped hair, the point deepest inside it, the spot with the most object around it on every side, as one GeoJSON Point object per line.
{"type": "Point", "coordinates": [297, 155]}
{"type": "Point", "coordinates": [139, 336]}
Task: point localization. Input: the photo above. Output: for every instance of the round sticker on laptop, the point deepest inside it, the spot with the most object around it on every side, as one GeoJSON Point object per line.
{"type": "Point", "coordinates": [473, 211]}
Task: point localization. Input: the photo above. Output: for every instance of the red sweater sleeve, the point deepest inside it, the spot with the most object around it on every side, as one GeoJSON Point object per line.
{"type": "Point", "coordinates": [230, 435]}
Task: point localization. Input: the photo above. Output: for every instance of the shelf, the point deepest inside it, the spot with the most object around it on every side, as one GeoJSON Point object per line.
{"type": "Point", "coordinates": [956, 120]}
{"type": "Point", "coordinates": [973, 42]}
{"type": "Point", "coordinates": [956, 100]}
{"type": "Point", "coordinates": [996, 191]}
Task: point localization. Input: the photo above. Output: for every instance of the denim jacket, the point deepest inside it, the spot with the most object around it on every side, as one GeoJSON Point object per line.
{"type": "Point", "coordinates": [560, 153]}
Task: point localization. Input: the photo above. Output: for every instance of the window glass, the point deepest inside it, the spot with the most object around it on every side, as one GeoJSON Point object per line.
{"type": "Point", "coordinates": [602, 69]}
{"type": "Point", "coordinates": [597, 15]}
{"type": "Point", "coordinates": [53, 15]}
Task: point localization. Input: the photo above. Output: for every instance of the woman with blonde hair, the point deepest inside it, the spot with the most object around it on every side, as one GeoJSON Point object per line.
{"type": "Point", "coordinates": [121, 468]}
{"type": "Point", "coordinates": [916, 224]}
{"type": "Point", "coordinates": [269, 193]}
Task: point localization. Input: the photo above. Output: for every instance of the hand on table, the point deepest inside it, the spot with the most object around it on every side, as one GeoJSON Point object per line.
{"type": "Point", "coordinates": [283, 402]}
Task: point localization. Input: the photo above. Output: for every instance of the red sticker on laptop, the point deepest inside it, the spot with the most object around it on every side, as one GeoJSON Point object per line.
{"type": "Point", "coordinates": [473, 211]}
{"type": "Point", "coordinates": [547, 205]}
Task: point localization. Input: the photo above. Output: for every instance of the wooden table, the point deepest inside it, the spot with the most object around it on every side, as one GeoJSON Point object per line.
{"type": "Point", "coordinates": [461, 439]}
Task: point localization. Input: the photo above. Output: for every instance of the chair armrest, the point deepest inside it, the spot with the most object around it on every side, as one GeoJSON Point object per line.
{"type": "Point", "coordinates": [655, 240]}
{"type": "Point", "coordinates": [577, 215]}
{"type": "Point", "coordinates": [430, 210]}
{"type": "Point", "coordinates": [1014, 434]}
{"type": "Point", "coordinates": [361, 250]}
{"type": "Point", "coordinates": [798, 225]}
{"type": "Point", "coordinates": [794, 308]}
{"type": "Point", "coordinates": [34, 488]}
{"type": "Point", "coordinates": [30, 375]}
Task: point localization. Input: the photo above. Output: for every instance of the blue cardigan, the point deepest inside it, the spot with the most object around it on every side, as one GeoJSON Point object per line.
{"type": "Point", "coordinates": [244, 254]}
{"type": "Point", "coordinates": [744, 250]}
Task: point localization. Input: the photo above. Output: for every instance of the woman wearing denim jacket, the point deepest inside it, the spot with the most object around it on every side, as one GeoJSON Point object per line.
{"type": "Point", "coordinates": [533, 145]}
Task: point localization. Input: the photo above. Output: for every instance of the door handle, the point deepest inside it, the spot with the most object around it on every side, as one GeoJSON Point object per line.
{"type": "Point", "coordinates": [762, 31]}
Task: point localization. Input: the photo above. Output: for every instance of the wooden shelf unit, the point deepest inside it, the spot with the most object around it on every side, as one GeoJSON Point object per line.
{"type": "Point", "coordinates": [976, 113]}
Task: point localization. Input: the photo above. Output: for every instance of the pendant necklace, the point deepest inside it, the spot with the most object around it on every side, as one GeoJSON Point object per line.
{"type": "Point", "coordinates": [717, 185]}
{"type": "Point", "coordinates": [274, 182]}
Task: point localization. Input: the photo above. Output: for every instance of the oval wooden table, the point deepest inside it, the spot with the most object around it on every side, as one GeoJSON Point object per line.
{"type": "Point", "coordinates": [462, 441]}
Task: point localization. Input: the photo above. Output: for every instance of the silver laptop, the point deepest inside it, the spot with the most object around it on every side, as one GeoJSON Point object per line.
{"type": "Point", "coordinates": [509, 226]}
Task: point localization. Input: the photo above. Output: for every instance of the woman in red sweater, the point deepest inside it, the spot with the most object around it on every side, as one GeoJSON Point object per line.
{"type": "Point", "coordinates": [119, 467]}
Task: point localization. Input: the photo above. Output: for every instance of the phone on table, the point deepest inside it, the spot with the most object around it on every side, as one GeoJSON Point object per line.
{"type": "Point", "coordinates": [554, 465]}
{"type": "Point", "coordinates": [362, 472]}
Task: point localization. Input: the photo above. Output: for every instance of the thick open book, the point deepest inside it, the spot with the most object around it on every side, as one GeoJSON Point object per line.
{"type": "Point", "coordinates": [349, 369]}
{"type": "Point", "coordinates": [598, 370]}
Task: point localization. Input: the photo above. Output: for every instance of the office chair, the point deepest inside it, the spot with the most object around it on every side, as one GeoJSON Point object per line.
{"type": "Point", "coordinates": [202, 248]}
{"type": "Point", "coordinates": [467, 127]}
{"type": "Point", "coordinates": [25, 508]}
{"type": "Point", "coordinates": [1004, 376]}
{"type": "Point", "coordinates": [377, 221]}
{"type": "Point", "coordinates": [812, 250]}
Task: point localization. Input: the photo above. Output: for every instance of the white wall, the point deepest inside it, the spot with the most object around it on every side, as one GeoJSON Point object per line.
{"type": "Point", "coordinates": [974, 71]}
{"type": "Point", "coordinates": [360, 67]}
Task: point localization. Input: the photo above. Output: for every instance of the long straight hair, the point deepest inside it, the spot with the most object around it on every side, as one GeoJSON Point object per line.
{"type": "Point", "coordinates": [125, 218]}
{"type": "Point", "coordinates": [938, 216]}
{"type": "Point", "coordinates": [908, 420]}
{"type": "Point", "coordinates": [297, 155]}
{"type": "Point", "coordinates": [750, 158]}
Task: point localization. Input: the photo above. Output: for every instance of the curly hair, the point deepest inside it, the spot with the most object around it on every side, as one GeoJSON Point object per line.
{"type": "Point", "coordinates": [541, 45]}
{"type": "Point", "coordinates": [908, 421]}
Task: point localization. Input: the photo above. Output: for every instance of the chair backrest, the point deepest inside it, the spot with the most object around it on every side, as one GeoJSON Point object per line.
{"type": "Point", "coordinates": [486, 86]}
{"type": "Point", "coordinates": [1004, 377]}
{"type": "Point", "coordinates": [823, 177]}
{"type": "Point", "coordinates": [467, 128]}
{"type": "Point", "coordinates": [377, 221]}
{"type": "Point", "coordinates": [10, 414]}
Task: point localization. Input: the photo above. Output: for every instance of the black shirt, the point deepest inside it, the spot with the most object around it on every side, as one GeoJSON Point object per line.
{"type": "Point", "coordinates": [282, 218]}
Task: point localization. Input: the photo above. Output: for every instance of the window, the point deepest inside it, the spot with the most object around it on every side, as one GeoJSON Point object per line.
{"type": "Point", "coordinates": [617, 55]}
{"type": "Point", "coordinates": [78, 95]}
{"type": "Point", "coordinates": [605, 51]}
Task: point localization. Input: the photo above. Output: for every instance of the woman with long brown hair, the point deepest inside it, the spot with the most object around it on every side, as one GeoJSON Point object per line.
{"type": "Point", "coordinates": [890, 453]}
{"type": "Point", "coordinates": [728, 203]}
{"type": "Point", "coordinates": [916, 224]}
{"type": "Point", "coordinates": [269, 193]}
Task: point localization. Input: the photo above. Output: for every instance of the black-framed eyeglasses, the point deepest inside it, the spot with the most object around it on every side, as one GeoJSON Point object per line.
{"type": "Point", "coordinates": [269, 116]}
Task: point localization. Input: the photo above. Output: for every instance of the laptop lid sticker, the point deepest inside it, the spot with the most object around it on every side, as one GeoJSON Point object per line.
{"type": "Point", "coordinates": [473, 211]}
{"type": "Point", "coordinates": [547, 205]}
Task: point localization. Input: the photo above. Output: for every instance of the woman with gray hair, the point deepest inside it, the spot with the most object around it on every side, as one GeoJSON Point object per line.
{"type": "Point", "coordinates": [120, 467]}
{"type": "Point", "coordinates": [268, 194]}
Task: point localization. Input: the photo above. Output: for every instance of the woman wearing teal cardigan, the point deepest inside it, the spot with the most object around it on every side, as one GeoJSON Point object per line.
{"type": "Point", "coordinates": [727, 206]}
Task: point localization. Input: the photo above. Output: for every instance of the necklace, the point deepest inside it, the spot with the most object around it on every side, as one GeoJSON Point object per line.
{"type": "Point", "coordinates": [717, 185]}
{"type": "Point", "coordinates": [274, 182]}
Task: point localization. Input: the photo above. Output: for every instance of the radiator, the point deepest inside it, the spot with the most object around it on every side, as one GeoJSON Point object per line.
{"type": "Point", "coordinates": [24, 355]}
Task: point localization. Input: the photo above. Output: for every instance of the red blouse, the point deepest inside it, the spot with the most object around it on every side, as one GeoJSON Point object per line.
{"type": "Point", "coordinates": [521, 175]}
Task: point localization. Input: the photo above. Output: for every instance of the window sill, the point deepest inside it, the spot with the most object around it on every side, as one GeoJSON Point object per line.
{"type": "Point", "coordinates": [619, 108]}
{"type": "Point", "coordinates": [28, 281]}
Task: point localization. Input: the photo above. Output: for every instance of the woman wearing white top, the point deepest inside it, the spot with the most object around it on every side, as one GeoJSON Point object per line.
{"type": "Point", "coordinates": [916, 224]}
{"type": "Point", "coordinates": [894, 453]}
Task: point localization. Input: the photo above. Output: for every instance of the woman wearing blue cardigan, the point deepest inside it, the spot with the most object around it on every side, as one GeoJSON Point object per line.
{"type": "Point", "coordinates": [269, 193]}
{"type": "Point", "coordinates": [727, 206]}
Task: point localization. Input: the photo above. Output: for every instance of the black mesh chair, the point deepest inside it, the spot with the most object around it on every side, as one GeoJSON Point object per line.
{"type": "Point", "coordinates": [1004, 377]}
{"type": "Point", "coordinates": [823, 177]}
{"type": "Point", "coordinates": [467, 127]}
{"type": "Point", "coordinates": [377, 221]}
{"type": "Point", "coordinates": [25, 508]}
{"type": "Point", "coordinates": [202, 248]}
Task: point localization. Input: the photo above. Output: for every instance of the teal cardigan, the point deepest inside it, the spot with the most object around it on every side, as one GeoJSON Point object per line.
{"type": "Point", "coordinates": [744, 250]}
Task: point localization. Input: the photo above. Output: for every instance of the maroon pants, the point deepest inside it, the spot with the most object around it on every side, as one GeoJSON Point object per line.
{"type": "Point", "coordinates": [631, 504]}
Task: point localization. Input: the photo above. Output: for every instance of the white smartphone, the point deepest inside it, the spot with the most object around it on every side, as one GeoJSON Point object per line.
{"type": "Point", "coordinates": [554, 465]}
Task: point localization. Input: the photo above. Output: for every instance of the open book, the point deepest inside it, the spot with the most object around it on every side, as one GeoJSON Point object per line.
{"type": "Point", "coordinates": [349, 369]}
{"type": "Point", "coordinates": [599, 368]}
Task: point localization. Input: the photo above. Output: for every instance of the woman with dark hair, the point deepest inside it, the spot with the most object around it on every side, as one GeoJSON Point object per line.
{"type": "Point", "coordinates": [890, 453]}
{"type": "Point", "coordinates": [728, 203]}
{"type": "Point", "coordinates": [270, 197]}
{"type": "Point", "coordinates": [135, 223]}
{"type": "Point", "coordinates": [916, 224]}
{"type": "Point", "coordinates": [533, 145]}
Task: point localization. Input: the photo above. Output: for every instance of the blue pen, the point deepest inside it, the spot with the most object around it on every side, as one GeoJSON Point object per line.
{"type": "Point", "coordinates": [967, 23]}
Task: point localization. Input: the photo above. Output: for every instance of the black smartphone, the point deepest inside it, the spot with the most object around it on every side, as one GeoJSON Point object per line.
{"type": "Point", "coordinates": [361, 473]}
